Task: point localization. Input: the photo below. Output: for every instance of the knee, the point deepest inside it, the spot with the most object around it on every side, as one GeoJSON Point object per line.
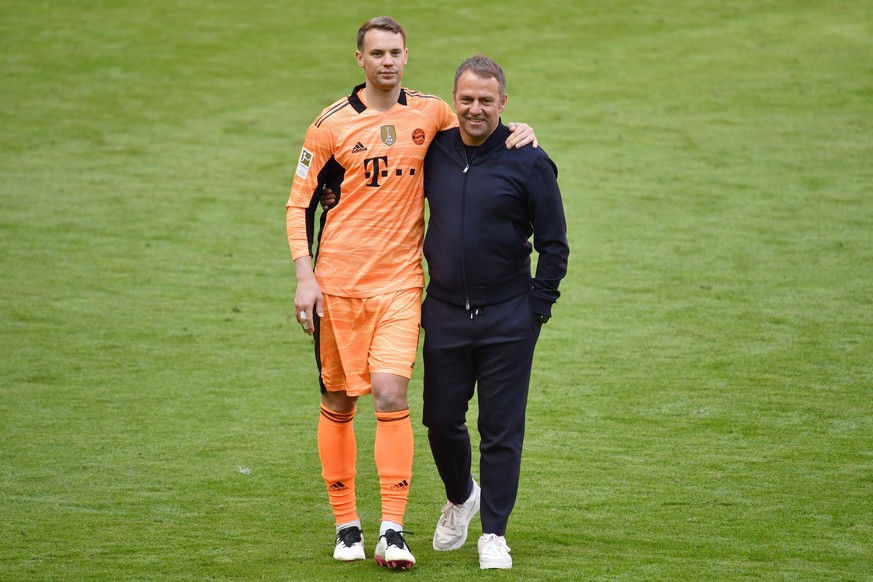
{"type": "Point", "coordinates": [339, 402]}
{"type": "Point", "coordinates": [390, 401]}
{"type": "Point", "coordinates": [389, 392]}
{"type": "Point", "coordinates": [445, 424]}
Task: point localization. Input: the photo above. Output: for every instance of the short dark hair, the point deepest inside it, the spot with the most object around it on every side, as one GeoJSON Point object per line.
{"type": "Point", "coordinates": [485, 67]}
{"type": "Point", "coordinates": [380, 23]}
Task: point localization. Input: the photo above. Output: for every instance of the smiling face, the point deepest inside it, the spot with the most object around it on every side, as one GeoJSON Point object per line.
{"type": "Point", "coordinates": [383, 56]}
{"type": "Point", "coordinates": [478, 103]}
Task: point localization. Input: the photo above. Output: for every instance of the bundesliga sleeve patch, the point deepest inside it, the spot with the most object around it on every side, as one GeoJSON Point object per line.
{"type": "Point", "coordinates": [303, 164]}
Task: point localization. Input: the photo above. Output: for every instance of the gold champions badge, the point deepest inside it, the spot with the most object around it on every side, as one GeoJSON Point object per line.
{"type": "Point", "coordinates": [388, 134]}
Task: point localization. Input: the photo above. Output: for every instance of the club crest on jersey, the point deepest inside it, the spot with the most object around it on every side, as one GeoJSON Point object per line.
{"type": "Point", "coordinates": [303, 164]}
{"type": "Point", "coordinates": [388, 134]}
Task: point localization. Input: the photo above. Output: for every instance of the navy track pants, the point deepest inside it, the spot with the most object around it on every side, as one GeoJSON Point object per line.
{"type": "Point", "coordinates": [488, 350]}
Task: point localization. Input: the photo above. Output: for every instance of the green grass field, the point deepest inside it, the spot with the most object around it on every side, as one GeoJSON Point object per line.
{"type": "Point", "coordinates": [702, 402]}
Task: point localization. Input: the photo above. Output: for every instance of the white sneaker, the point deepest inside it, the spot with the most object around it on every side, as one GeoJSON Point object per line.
{"type": "Point", "coordinates": [493, 552]}
{"type": "Point", "coordinates": [349, 545]}
{"type": "Point", "coordinates": [393, 552]}
{"type": "Point", "coordinates": [451, 529]}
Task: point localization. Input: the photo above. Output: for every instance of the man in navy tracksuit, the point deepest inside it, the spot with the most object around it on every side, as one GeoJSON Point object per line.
{"type": "Point", "coordinates": [483, 311]}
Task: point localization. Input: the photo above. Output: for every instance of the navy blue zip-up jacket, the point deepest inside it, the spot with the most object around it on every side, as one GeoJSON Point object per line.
{"type": "Point", "coordinates": [477, 243]}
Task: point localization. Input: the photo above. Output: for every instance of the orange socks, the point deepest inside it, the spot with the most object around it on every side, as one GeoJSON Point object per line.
{"type": "Point", "coordinates": [338, 451]}
{"type": "Point", "coordinates": [393, 450]}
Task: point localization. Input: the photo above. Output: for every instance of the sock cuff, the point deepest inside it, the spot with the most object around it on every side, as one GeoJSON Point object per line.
{"type": "Point", "coordinates": [392, 416]}
{"type": "Point", "coordinates": [342, 526]}
{"type": "Point", "coordinates": [338, 417]}
{"type": "Point", "coordinates": [386, 525]}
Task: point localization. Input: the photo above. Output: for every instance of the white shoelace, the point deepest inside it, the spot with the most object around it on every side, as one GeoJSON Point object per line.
{"type": "Point", "coordinates": [451, 514]}
{"type": "Point", "coordinates": [494, 545]}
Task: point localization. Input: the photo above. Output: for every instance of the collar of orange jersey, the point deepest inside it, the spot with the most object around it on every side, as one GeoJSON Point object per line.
{"type": "Point", "coordinates": [359, 106]}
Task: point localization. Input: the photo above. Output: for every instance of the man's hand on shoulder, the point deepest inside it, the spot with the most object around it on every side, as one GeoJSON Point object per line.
{"type": "Point", "coordinates": [520, 135]}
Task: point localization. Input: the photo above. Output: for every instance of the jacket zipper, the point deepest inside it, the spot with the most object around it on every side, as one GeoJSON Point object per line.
{"type": "Point", "coordinates": [463, 232]}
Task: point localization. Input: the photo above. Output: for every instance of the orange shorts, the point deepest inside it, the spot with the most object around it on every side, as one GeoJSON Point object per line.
{"type": "Point", "coordinates": [360, 336]}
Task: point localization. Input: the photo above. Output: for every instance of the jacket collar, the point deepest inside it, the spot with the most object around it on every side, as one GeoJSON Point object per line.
{"type": "Point", "coordinates": [359, 106]}
{"type": "Point", "coordinates": [494, 141]}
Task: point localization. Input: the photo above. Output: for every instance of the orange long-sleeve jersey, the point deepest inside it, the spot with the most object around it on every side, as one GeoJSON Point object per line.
{"type": "Point", "coordinates": [370, 242]}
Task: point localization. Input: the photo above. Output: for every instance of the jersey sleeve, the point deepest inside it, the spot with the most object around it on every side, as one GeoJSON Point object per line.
{"type": "Point", "coordinates": [438, 111]}
{"type": "Point", "coordinates": [444, 115]}
{"type": "Point", "coordinates": [305, 190]}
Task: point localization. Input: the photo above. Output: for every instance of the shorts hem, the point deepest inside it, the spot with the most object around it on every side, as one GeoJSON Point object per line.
{"type": "Point", "coordinates": [403, 373]}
